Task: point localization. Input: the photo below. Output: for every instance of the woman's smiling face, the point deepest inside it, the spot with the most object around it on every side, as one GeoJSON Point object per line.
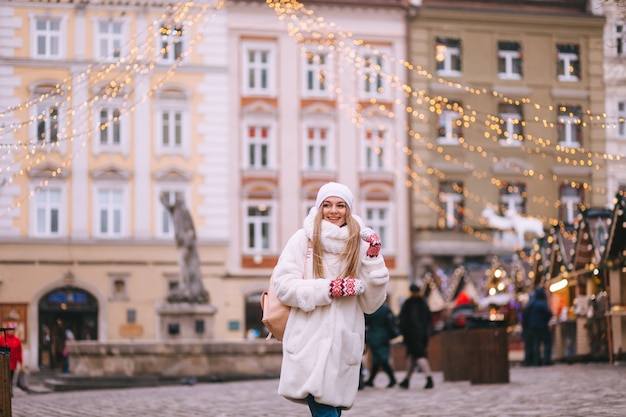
{"type": "Point", "coordinates": [334, 210]}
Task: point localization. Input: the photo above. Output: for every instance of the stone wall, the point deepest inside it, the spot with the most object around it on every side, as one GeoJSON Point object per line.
{"type": "Point", "coordinates": [203, 359]}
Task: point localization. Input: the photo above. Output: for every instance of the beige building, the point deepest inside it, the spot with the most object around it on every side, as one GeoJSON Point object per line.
{"type": "Point", "coordinates": [242, 108]}
{"type": "Point", "coordinates": [507, 116]}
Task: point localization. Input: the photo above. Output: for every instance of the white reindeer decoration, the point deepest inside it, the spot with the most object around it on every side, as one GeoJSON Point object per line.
{"type": "Point", "coordinates": [512, 220]}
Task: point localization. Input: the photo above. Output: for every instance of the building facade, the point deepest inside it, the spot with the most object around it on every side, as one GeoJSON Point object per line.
{"type": "Point", "coordinates": [507, 123]}
{"type": "Point", "coordinates": [317, 97]}
{"type": "Point", "coordinates": [243, 108]}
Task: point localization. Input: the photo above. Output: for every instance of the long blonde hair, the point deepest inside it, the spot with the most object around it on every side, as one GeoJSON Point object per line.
{"type": "Point", "coordinates": [351, 252]}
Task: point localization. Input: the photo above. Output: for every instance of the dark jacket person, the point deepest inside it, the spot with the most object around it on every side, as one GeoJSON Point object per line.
{"type": "Point", "coordinates": [415, 318]}
{"type": "Point", "coordinates": [539, 314]}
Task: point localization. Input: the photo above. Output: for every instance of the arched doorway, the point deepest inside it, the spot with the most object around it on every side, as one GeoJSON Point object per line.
{"type": "Point", "coordinates": [64, 310]}
{"type": "Point", "coordinates": [254, 327]}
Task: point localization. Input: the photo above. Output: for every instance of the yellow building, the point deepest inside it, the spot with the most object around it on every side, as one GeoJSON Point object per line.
{"type": "Point", "coordinates": [507, 119]}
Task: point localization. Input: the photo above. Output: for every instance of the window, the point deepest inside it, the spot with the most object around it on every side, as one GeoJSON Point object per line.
{"type": "Point", "coordinates": [172, 114]}
{"type": "Point", "coordinates": [109, 38]}
{"type": "Point", "coordinates": [47, 37]}
{"type": "Point", "coordinates": [118, 286]}
{"type": "Point", "coordinates": [375, 73]}
{"type": "Point", "coordinates": [111, 130]}
{"type": "Point", "coordinates": [47, 122]}
{"type": "Point", "coordinates": [171, 128]}
{"type": "Point", "coordinates": [509, 60]}
{"type": "Point", "coordinates": [110, 212]}
{"type": "Point", "coordinates": [131, 315]}
{"type": "Point", "coordinates": [513, 199]}
{"type": "Point", "coordinates": [316, 74]}
{"type": "Point", "coordinates": [448, 56]}
{"type": "Point", "coordinates": [619, 39]}
{"type": "Point", "coordinates": [621, 119]}
{"type": "Point", "coordinates": [47, 210]}
{"type": "Point", "coordinates": [511, 124]}
{"type": "Point", "coordinates": [258, 220]}
{"type": "Point", "coordinates": [317, 147]}
{"type": "Point", "coordinates": [377, 218]}
{"type": "Point", "coordinates": [569, 128]}
{"type": "Point", "coordinates": [375, 148]}
{"type": "Point", "coordinates": [568, 63]}
{"type": "Point", "coordinates": [258, 68]}
{"type": "Point", "coordinates": [110, 126]}
{"type": "Point", "coordinates": [258, 146]}
{"type": "Point", "coordinates": [165, 225]}
{"type": "Point", "coordinates": [450, 127]}
{"type": "Point", "coordinates": [172, 42]}
{"type": "Point", "coordinates": [47, 114]}
{"type": "Point", "coordinates": [570, 197]}
{"type": "Point", "coordinates": [451, 202]}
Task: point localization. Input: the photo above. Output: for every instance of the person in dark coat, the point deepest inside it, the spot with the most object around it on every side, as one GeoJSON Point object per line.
{"type": "Point", "coordinates": [415, 317]}
{"type": "Point", "coordinates": [540, 338]}
{"type": "Point", "coordinates": [378, 334]}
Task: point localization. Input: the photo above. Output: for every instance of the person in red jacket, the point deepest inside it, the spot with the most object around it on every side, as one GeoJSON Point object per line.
{"type": "Point", "coordinates": [15, 344]}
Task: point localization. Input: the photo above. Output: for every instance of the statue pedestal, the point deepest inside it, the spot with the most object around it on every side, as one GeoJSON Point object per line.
{"type": "Point", "coordinates": [185, 321]}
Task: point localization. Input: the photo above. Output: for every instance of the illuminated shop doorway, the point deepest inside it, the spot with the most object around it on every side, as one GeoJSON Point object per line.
{"type": "Point", "coordinates": [61, 311]}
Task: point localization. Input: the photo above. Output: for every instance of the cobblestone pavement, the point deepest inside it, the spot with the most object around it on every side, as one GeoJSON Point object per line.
{"type": "Point", "coordinates": [595, 389]}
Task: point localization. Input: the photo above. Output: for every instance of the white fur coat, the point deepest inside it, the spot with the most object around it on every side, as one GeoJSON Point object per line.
{"type": "Point", "coordinates": [324, 339]}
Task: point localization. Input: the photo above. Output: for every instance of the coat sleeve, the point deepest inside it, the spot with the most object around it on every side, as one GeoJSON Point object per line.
{"type": "Point", "coordinates": [375, 275]}
{"type": "Point", "coordinates": [291, 289]}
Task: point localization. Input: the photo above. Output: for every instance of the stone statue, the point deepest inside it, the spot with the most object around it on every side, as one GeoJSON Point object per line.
{"type": "Point", "coordinates": [190, 288]}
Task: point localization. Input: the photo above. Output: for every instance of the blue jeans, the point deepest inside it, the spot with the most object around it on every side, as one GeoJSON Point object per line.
{"type": "Point", "coordinates": [321, 410]}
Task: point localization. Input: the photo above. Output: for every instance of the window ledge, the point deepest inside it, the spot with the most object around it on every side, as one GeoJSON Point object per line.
{"type": "Point", "coordinates": [449, 73]}
{"type": "Point", "coordinates": [447, 141]}
{"type": "Point", "coordinates": [507, 76]}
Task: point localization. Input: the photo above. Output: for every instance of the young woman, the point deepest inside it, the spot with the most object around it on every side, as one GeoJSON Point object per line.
{"type": "Point", "coordinates": [344, 278]}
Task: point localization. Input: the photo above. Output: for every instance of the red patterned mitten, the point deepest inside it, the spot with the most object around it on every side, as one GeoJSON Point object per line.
{"type": "Point", "coordinates": [346, 287]}
{"type": "Point", "coordinates": [373, 239]}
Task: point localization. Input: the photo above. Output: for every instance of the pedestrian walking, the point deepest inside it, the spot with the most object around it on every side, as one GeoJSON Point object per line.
{"type": "Point", "coordinates": [380, 329]}
{"type": "Point", "coordinates": [324, 338]}
{"type": "Point", "coordinates": [69, 337]}
{"type": "Point", "coordinates": [13, 342]}
{"type": "Point", "coordinates": [415, 317]}
{"type": "Point", "coordinates": [539, 335]}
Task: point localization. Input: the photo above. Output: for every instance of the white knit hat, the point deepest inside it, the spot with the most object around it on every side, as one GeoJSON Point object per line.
{"type": "Point", "coordinates": [334, 189]}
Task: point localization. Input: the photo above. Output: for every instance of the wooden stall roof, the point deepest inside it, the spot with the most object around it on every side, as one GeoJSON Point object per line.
{"type": "Point", "coordinates": [541, 261]}
{"type": "Point", "coordinates": [591, 238]}
{"type": "Point", "coordinates": [615, 253]}
{"type": "Point", "coordinates": [563, 242]}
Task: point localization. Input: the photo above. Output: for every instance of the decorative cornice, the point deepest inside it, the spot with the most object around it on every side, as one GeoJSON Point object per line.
{"type": "Point", "coordinates": [511, 166]}
{"type": "Point", "coordinates": [110, 172]}
{"type": "Point", "coordinates": [48, 170]}
{"type": "Point", "coordinates": [172, 174]}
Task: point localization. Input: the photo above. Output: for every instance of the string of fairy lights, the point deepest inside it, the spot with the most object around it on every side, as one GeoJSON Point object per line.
{"type": "Point", "coordinates": [566, 160]}
{"type": "Point", "coordinates": [139, 61]}
{"type": "Point", "coordinates": [109, 92]}
{"type": "Point", "coordinates": [560, 159]}
{"type": "Point", "coordinates": [438, 173]}
{"type": "Point", "coordinates": [316, 26]}
{"type": "Point", "coordinates": [309, 29]}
